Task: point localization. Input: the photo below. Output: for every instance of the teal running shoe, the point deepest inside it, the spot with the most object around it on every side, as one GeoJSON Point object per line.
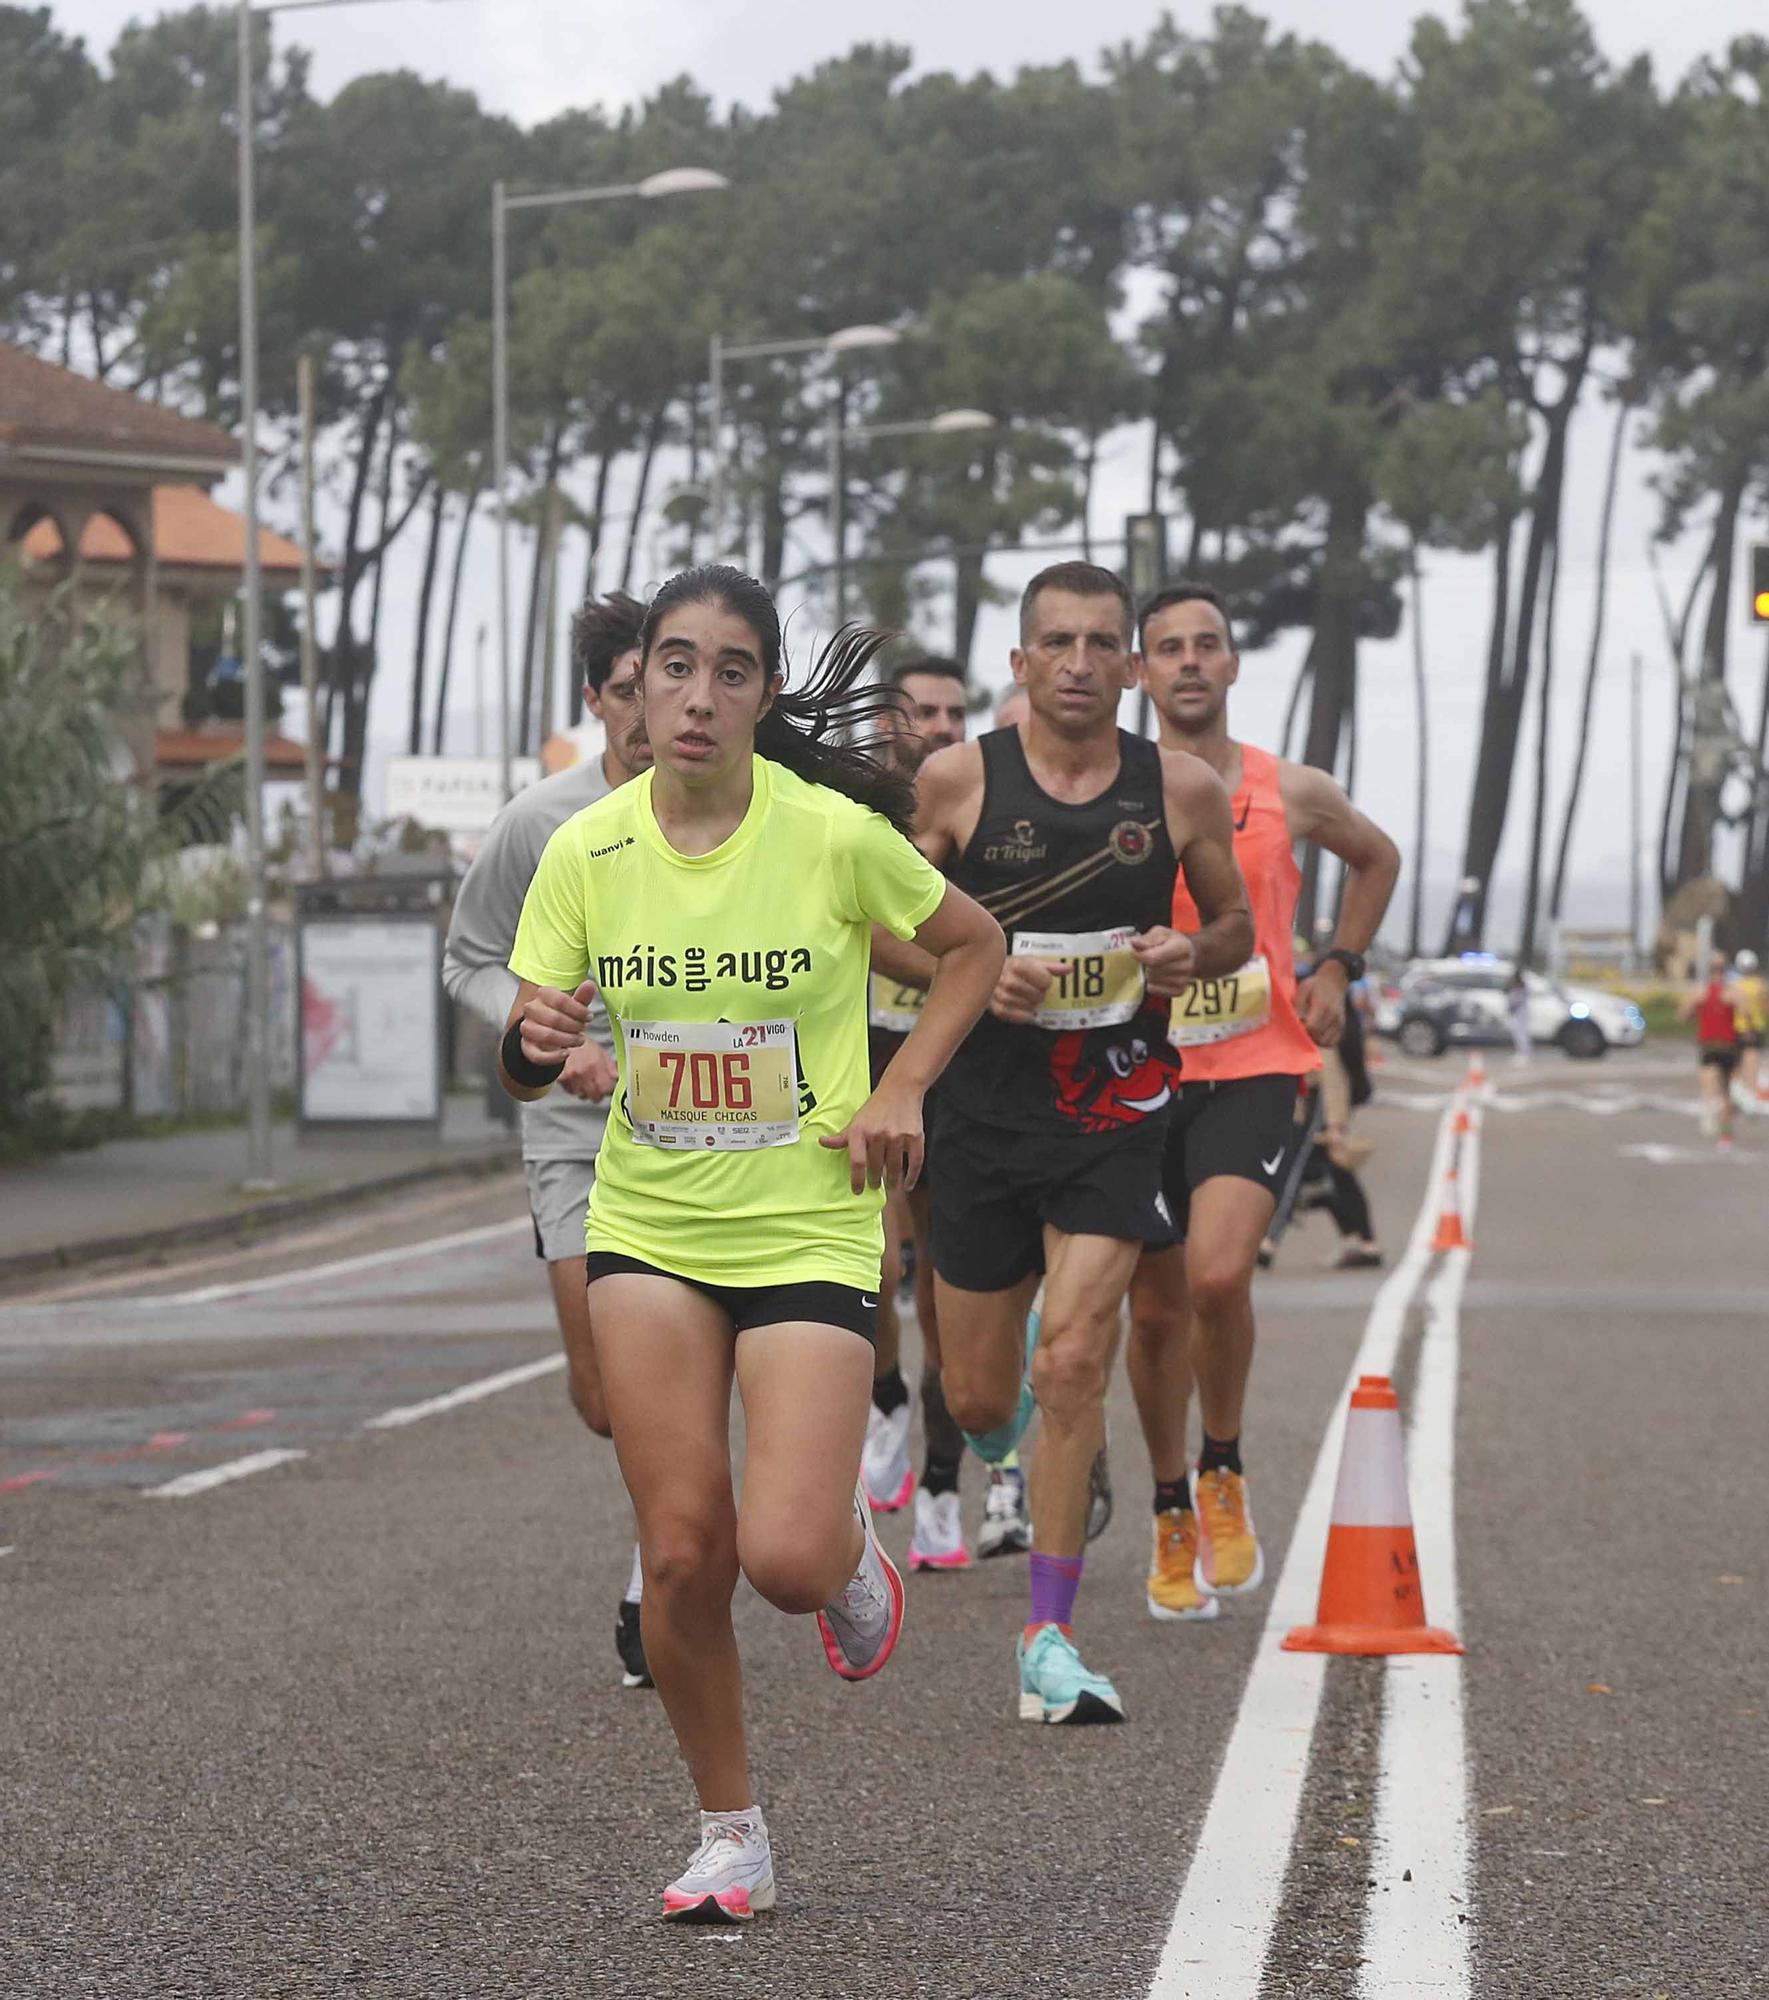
{"type": "Point", "coordinates": [996, 1445]}
{"type": "Point", "coordinates": [1056, 1687]}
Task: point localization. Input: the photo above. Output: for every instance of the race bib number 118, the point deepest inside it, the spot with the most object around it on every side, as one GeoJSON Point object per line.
{"type": "Point", "coordinates": [1102, 981]}
{"type": "Point", "coordinates": [712, 1086]}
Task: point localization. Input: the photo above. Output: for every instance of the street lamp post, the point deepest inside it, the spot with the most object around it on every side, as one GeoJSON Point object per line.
{"type": "Point", "coordinates": [673, 180]}
{"type": "Point", "coordinates": [845, 340]}
{"type": "Point", "coordinates": [258, 1159]}
{"type": "Point", "coordinates": [945, 424]}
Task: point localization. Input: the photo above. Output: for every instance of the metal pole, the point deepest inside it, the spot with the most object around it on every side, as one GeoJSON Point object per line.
{"type": "Point", "coordinates": [715, 474]}
{"type": "Point", "coordinates": [1634, 829]}
{"type": "Point", "coordinates": [258, 1161]}
{"type": "Point", "coordinates": [316, 796]}
{"type": "Point", "coordinates": [500, 453]}
{"type": "Point", "coordinates": [479, 690]}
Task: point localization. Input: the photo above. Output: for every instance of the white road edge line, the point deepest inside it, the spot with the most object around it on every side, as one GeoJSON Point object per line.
{"type": "Point", "coordinates": [1221, 1932]}
{"type": "Point", "coordinates": [191, 1483]}
{"type": "Point", "coordinates": [1419, 1932]}
{"type": "Point", "coordinates": [469, 1392]}
{"type": "Point", "coordinates": [369, 1260]}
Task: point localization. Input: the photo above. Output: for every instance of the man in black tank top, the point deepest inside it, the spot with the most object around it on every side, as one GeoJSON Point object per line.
{"type": "Point", "coordinates": [1052, 1118]}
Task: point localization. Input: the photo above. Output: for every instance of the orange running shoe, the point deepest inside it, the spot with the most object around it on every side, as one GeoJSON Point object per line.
{"type": "Point", "coordinates": [1173, 1590]}
{"type": "Point", "coordinates": [1230, 1561]}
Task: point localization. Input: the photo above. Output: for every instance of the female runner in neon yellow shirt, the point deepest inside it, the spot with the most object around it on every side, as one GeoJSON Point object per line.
{"type": "Point", "coordinates": [723, 906]}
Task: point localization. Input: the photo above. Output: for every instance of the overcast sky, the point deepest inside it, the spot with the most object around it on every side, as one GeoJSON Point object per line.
{"type": "Point", "coordinates": [531, 58]}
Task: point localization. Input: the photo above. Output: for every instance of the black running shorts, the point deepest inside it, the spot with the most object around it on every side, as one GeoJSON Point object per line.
{"type": "Point", "coordinates": [818, 1301]}
{"type": "Point", "coordinates": [992, 1191]}
{"type": "Point", "coordinates": [1722, 1055]}
{"type": "Point", "coordinates": [1243, 1128]}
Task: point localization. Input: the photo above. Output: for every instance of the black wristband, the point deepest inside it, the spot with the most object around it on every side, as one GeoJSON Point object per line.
{"type": "Point", "coordinates": [1352, 961]}
{"type": "Point", "coordinates": [521, 1068]}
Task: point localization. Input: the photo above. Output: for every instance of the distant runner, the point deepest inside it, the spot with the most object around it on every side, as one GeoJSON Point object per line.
{"type": "Point", "coordinates": [561, 1133]}
{"type": "Point", "coordinates": [1051, 1120]}
{"type": "Point", "coordinates": [1717, 1053]}
{"type": "Point", "coordinates": [723, 907]}
{"type": "Point", "coordinates": [1247, 1047]}
{"type": "Point", "coordinates": [932, 714]}
{"type": "Point", "coordinates": [1750, 1006]}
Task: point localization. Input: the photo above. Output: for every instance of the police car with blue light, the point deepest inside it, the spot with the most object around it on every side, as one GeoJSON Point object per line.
{"type": "Point", "coordinates": [1442, 1003]}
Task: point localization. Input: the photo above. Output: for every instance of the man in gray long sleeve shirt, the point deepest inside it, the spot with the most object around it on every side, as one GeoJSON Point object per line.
{"type": "Point", "coordinates": [561, 1132]}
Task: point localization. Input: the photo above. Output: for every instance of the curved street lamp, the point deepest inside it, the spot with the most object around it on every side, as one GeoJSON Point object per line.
{"type": "Point", "coordinates": [845, 340]}
{"type": "Point", "coordinates": [945, 423]}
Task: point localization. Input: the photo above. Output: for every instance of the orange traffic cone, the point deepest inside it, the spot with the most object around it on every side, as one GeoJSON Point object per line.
{"type": "Point", "coordinates": [1450, 1233]}
{"type": "Point", "coordinates": [1476, 1071]}
{"type": "Point", "coordinates": [1371, 1599]}
{"type": "Point", "coordinates": [1464, 1119]}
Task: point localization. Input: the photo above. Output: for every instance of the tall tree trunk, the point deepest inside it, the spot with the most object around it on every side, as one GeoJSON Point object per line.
{"type": "Point", "coordinates": [1338, 607]}
{"type": "Point", "coordinates": [536, 582]}
{"type": "Point", "coordinates": [1421, 755]}
{"type": "Point", "coordinates": [648, 458]}
{"type": "Point", "coordinates": [421, 645]}
{"type": "Point", "coordinates": [1706, 773]}
{"type": "Point", "coordinates": [967, 601]}
{"type": "Point", "coordinates": [340, 661]}
{"type": "Point", "coordinates": [1753, 903]}
{"type": "Point", "coordinates": [1588, 699]}
{"type": "Point", "coordinates": [598, 506]}
{"type": "Point", "coordinates": [452, 616]}
{"type": "Point", "coordinates": [1532, 896]}
{"type": "Point", "coordinates": [773, 510]}
{"type": "Point", "coordinates": [1293, 707]}
{"type": "Point", "coordinates": [1507, 691]}
{"type": "Point", "coordinates": [1089, 465]}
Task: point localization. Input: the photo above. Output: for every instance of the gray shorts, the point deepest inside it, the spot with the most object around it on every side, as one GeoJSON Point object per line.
{"type": "Point", "coordinates": [558, 1200]}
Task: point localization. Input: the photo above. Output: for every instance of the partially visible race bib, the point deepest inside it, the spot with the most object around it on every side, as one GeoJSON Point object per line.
{"type": "Point", "coordinates": [894, 1007]}
{"type": "Point", "coordinates": [1216, 1010]}
{"type": "Point", "coordinates": [712, 1086]}
{"type": "Point", "coordinates": [1101, 985]}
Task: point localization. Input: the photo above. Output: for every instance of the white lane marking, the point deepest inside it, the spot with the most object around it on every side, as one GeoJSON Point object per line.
{"type": "Point", "coordinates": [369, 1260]}
{"type": "Point", "coordinates": [221, 1475]}
{"type": "Point", "coordinates": [1418, 1923]}
{"type": "Point", "coordinates": [1221, 1931]}
{"type": "Point", "coordinates": [469, 1392]}
{"type": "Point", "coordinates": [11, 1548]}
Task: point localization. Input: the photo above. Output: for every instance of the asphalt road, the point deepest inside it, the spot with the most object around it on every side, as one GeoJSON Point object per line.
{"type": "Point", "coordinates": [351, 1723]}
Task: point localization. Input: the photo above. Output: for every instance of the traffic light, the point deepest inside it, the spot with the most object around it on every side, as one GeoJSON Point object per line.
{"type": "Point", "coordinates": [1760, 583]}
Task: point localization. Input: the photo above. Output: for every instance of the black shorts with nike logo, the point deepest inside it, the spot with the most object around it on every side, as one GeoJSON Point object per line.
{"type": "Point", "coordinates": [1243, 1127]}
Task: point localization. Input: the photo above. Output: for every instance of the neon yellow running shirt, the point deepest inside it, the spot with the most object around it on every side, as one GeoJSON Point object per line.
{"type": "Point", "coordinates": [736, 983]}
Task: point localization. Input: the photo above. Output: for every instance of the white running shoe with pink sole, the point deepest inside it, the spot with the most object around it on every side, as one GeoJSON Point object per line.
{"type": "Point", "coordinates": [729, 1879]}
{"type": "Point", "coordinates": [937, 1541]}
{"type": "Point", "coordinates": [861, 1628]}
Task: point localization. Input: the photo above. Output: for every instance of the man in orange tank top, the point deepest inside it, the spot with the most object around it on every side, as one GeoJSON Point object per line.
{"type": "Point", "coordinates": [1247, 1043]}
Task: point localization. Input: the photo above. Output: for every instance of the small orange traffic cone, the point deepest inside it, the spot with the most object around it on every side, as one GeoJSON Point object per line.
{"type": "Point", "coordinates": [1450, 1233]}
{"type": "Point", "coordinates": [1371, 1597]}
{"type": "Point", "coordinates": [1464, 1119]}
{"type": "Point", "coordinates": [1476, 1078]}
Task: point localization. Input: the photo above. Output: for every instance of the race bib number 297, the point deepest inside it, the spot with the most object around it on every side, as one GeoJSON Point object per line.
{"type": "Point", "coordinates": [712, 1086]}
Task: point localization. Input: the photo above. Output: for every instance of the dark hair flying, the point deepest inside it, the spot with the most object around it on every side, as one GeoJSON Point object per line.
{"type": "Point", "coordinates": [1171, 594]}
{"type": "Point", "coordinates": [826, 731]}
{"type": "Point", "coordinates": [602, 628]}
{"type": "Point", "coordinates": [1083, 579]}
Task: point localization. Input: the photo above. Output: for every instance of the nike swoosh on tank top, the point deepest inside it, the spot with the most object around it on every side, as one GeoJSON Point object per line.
{"type": "Point", "coordinates": [1040, 866]}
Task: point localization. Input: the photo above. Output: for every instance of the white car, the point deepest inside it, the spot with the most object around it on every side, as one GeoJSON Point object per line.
{"type": "Point", "coordinates": [1445, 1002]}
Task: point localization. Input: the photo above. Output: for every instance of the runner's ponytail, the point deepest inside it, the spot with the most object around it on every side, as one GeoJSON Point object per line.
{"type": "Point", "coordinates": [826, 731]}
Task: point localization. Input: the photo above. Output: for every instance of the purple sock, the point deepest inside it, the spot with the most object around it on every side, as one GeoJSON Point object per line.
{"type": "Point", "coordinates": [1055, 1580]}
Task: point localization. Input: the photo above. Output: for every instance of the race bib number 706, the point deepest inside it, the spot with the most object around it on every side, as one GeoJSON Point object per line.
{"type": "Point", "coordinates": [712, 1086]}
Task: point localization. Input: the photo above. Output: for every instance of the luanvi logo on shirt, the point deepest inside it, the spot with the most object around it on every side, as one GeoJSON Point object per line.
{"type": "Point", "coordinates": [697, 968]}
{"type": "Point", "coordinates": [613, 847]}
